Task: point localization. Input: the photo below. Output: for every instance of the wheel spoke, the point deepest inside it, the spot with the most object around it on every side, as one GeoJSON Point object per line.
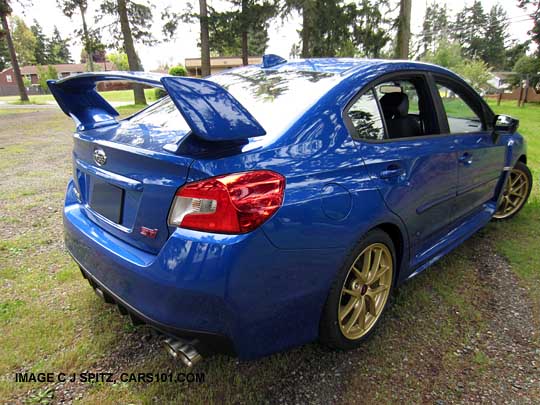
{"type": "Point", "coordinates": [351, 292]}
{"type": "Point", "coordinates": [377, 276]}
{"type": "Point", "coordinates": [372, 310]}
{"type": "Point", "coordinates": [359, 274]}
{"type": "Point", "coordinates": [367, 262]}
{"type": "Point", "coordinates": [347, 309]}
{"type": "Point", "coordinates": [376, 291]}
{"type": "Point", "coordinates": [354, 317]}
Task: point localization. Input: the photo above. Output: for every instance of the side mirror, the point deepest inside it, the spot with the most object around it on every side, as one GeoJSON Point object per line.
{"type": "Point", "coordinates": [505, 123]}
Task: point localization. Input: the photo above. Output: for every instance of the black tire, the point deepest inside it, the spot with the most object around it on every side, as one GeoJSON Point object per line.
{"type": "Point", "coordinates": [330, 333]}
{"type": "Point", "coordinates": [522, 168]}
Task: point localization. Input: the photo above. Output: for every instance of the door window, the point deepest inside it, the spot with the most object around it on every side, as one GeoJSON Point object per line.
{"type": "Point", "coordinates": [459, 113]}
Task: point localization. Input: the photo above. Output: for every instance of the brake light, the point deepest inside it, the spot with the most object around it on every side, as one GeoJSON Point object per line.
{"type": "Point", "coordinates": [234, 203]}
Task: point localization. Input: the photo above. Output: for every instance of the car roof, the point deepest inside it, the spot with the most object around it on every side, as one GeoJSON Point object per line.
{"type": "Point", "coordinates": [346, 66]}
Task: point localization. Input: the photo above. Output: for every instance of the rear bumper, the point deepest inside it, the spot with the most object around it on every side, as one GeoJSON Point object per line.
{"type": "Point", "coordinates": [235, 293]}
{"type": "Point", "coordinates": [205, 343]}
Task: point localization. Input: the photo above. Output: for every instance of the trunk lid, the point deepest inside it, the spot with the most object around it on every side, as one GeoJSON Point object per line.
{"type": "Point", "coordinates": [127, 180]}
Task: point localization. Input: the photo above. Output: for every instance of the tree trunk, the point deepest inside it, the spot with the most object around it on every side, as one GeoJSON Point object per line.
{"type": "Point", "coordinates": [245, 52]}
{"type": "Point", "coordinates": [305, 32]}
{"type": "Point", "coordinates": [205, 42]}
{"type": "Point", "coordinates": [404, 30]}
{"type": "Point", "coordinates": [14, 63]}
{"type": "Point", "coordinates": [133, 59]}
{"type": "Point", "coordinates": [87, 43]}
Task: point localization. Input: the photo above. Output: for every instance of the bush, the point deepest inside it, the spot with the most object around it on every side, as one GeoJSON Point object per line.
{"type": "Point", "coordinates": [179, 70]}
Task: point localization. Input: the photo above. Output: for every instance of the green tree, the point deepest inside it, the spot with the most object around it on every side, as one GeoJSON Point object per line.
{"type": "Point", "coordinates": [469, 29]}
{"type": "Point", "coordinates": [476, 72]}
{"type": "Point", "coordinates": [434, 28]}
{"type": "Point", "coordinates": [40, 49]}
{"type": "Point", "coordinates": [119, 59]}
{"type": "Point", "coordinates": [24, 41]}
{"type": "Point", "coordinates": [4, 53]}
{"type": "Point", "coordinates": [5, 33]}
{"type": "Point", "coordinates": [496, 36]}
{"type": "Point", "coordinates": [58, 50]}
{"type": "Point", "coordinates": [527, 67]}
{"type": "Point", "coordinates": [69, 8]}
{"type": "Point", "coordinates": [132, 23]}
{"type": "Point", "coordinates": [44, 74]}
{"type": "Point", "coordinates": [341, 28]}
{"type": "Point", "coordinates": [236, 32]}
{"type": "Point", "coordinates": [514, 51]}
{"type": "Point", "coordinates": [447, 54]}
{"type": "Point", "coordinates": [534, 7]}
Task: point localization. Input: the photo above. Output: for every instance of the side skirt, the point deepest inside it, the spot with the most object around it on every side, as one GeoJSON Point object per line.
{"type": "Point", "coordinates": [455, 237]}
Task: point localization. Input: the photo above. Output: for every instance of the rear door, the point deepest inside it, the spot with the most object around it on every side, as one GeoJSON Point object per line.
{"type": "Point", "coordinates": [417, 176]}
{"type": "Point", "coordinates": [480, 159]}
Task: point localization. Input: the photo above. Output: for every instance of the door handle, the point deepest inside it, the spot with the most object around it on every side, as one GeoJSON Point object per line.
{"type": "Point", "coordinates": [466, 159]}
{"type": "Point", "coordinates": [392, 171]}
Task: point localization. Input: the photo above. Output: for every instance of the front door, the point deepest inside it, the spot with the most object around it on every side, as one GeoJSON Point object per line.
{"type": "Point", "coordinates": [480, 159]}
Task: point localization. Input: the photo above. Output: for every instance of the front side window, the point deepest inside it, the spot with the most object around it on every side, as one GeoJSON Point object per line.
{"type": "Point", "coordinates": [9, 79]}
{"type": "Point", "coordinates": [461, 117]}
{"type": "Point", "coordinates": [366, 118]}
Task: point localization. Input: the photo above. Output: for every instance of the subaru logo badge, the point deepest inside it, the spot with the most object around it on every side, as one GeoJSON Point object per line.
{"type": "Point", "coordinates": [100, 157]}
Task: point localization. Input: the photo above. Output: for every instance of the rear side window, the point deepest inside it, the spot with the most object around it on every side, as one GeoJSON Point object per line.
{"type": "Point", "coordinates": [366, 118]}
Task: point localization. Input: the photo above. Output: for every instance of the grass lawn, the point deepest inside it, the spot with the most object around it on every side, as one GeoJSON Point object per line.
{"type": "Point", "coordinates": [117, 95]}
{"type": "Point", "coordinates": [436, 344]}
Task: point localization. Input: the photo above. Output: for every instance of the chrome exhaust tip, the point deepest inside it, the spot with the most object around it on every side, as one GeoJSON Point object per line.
{"type": "Point", "coordinates": [183, 351]}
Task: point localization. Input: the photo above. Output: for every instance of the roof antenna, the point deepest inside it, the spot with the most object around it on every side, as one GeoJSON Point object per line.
{"type": "Point", "coordinates": [272, 60]}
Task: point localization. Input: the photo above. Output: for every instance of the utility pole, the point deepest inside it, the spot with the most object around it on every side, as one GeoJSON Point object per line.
{"type": "Point", "coordinates": [404, 30]}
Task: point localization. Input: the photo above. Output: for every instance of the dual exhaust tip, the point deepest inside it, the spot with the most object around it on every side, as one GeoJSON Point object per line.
{"type": "Point", "coordinates": [182, 351]}
{"type": "Point", "coordinates": [178, 349]}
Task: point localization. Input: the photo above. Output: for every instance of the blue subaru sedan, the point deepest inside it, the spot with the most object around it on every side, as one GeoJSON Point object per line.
{"type": "Point", "coordinates": [273, 205]}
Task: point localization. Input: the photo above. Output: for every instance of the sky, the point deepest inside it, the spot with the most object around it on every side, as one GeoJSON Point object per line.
{"type": "Point", "coordinates": [282, 34]}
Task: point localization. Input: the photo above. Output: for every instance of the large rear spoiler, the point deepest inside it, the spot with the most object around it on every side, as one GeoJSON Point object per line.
{"type": "Point", "coordinates": [211, 112]}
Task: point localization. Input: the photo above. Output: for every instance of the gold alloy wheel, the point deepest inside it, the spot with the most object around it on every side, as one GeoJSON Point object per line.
{"type": "Point", "coordinates": [514, 194]}
{"type": "Point", "coordinates": [365, 291]}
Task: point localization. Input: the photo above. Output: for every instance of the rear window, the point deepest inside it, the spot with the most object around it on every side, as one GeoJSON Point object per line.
{"type": "Point", "coordinates": [276, 98]}
{"type": "Point", "coordinates": [162, 114]}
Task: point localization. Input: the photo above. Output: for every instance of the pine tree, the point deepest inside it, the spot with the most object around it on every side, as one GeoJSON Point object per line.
{"type": "Point", "coordinates": [496, 36]}
{"type": "Point", "coordinates": [327, 26]}
{"type": "Point", "coordinates": [41, 44]}
{"type": "Point", "coordinates": [434, 28]}
{"type": "Point", "coordinates": [469, 29]}
{"type": "Point", "coordinates": [58, 50]}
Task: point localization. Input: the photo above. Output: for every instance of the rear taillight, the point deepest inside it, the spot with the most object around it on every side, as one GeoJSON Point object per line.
{"type": "Point", "coordinates": [234, 203]}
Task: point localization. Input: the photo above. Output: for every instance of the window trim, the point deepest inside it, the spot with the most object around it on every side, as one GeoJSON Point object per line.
{"type": "Point", "coordinates": [425, 75]}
